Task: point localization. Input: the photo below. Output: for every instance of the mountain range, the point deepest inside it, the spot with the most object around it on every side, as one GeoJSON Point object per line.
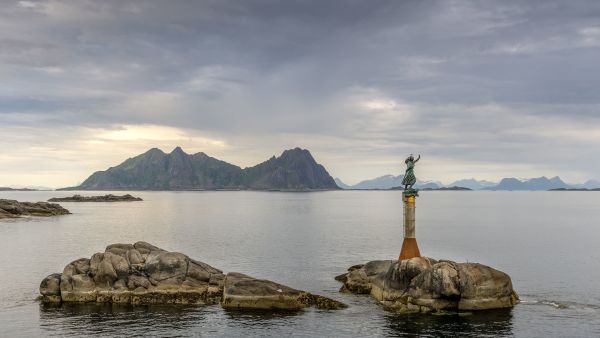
{"type": "Point", "coordinates": [294, 169]}
{"type": "Point", "coordinates": [386, 182]}
{"type": "Point", "coordinates": [539, 183]}
{"type": "Point", "coordinates": [510, 183]}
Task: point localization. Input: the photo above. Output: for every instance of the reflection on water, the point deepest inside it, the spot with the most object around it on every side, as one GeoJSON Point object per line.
{"type": "Point", "coordinates": [185, 320]}
{"type": "Point", "coordinates": [93, 318]}
{"type": "Point", "coordinates": [470, 324]}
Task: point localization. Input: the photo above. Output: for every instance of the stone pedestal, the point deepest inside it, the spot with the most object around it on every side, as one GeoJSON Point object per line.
{"type": "Point", "coordinates": [410, 249]}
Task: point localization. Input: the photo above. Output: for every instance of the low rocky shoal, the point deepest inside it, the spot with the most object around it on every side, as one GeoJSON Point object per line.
{"type": "Point", "coordinates": [13, 209]}
{"type": "Point", "coordinates": [424, 284]}
{"type": "Point", "coordinates": [142, 273]}
{"type": "Point", "coordinates": [105, 198]}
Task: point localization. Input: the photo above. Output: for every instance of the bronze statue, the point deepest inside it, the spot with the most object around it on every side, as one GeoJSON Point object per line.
{"type": "Point", "coordinates": [409, 176]}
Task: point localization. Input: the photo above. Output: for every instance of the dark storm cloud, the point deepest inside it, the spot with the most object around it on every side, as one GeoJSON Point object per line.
{"type": "Point", "coordinates": [472, 82]}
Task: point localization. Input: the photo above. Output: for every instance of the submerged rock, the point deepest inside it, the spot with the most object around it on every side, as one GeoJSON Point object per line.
{"type": "Point", "coordinates": [142, 273]}
{"type": "Point", "coordinates": [423, 284]}
{"type": "Point", "coordinates": [105, 198]}
{"type": "Point", "coordinates": [13, 209]}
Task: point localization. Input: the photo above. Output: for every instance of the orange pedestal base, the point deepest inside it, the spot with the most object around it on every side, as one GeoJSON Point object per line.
{"type": "Point", "coordinates": [410, 249]}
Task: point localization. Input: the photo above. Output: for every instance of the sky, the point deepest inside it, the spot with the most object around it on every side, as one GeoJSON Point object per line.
{"type": "Point", "coordinates": [483, 89]}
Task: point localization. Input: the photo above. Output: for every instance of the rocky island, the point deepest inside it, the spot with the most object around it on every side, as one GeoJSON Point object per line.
{"type": "Point", "coordinates": [294, 170]}
{"type": "Point", "coordinates": [14, 209]}
{"type": "Point", "coordinates": [453, 188]}
{"type": "Point", "coordinates": [142, 273]}
{"type": "Point", "coordinates": [422, 284]}
{"type": "Point", "coordinates": [105, 198]}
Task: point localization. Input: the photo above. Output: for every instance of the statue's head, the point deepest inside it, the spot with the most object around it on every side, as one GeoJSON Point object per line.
{"type": "Point", "coordinates": [410, 158]}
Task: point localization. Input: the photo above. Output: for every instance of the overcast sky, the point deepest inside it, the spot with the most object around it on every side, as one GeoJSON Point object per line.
{"type": "Point", "coordinates": [480, 89]}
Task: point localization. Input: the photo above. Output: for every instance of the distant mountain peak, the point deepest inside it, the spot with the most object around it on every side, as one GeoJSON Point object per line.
{"type": "Point", "coordinates": [297, 152]}
{"type": "Point", "coordinates": [295, 169]}
{"type": "Point", "coordinates": [178, 150]}
{"type": "Point", "coordinates": [536, 183]}
{"type": "Point", "coordinates": [154, 151]}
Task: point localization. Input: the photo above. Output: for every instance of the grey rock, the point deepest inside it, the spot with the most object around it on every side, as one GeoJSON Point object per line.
{"type": "Point", "coordinates": [423, 284]}
{"type": "Point", "coordinates": [168, 268]}
{"type": "Point", "coordinates": [145, 274]}
{"type": "Point", "coordinates": [14, 209]}
{"type": "Point", "coordinates": [359, 278]}
{"type": "Point", "coordinates": [118, 249]}
{"type": "Point", "coordinates": [134, 257]}
{"type": "Point", "coordinates": [50, 286]}
{"type": "Point", "coordinates": [401, 273]}
{"type": "Point", "coordinates": [136, 281]}
{"type": "Point", "coordinates": [483, 287]}
{"type": "Point", "coordinates": [145, 248]}
{"type": "Point", "coordinates": [245, 292]}
{"type": "Point", "coordinates": [105, 198]}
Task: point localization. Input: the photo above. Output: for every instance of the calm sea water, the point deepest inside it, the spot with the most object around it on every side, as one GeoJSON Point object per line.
{"type": "Point", "coordinates": [549, 242]}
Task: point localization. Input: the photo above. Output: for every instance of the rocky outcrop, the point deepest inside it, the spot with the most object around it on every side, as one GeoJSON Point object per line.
{"type": "Point", "coordinates": [423, 284]}
{"type": "Point", "coordinates": [142, 273]}
{"type": "Point", "coordinates": [105, 198]}
{"type": "Point", "coordinates": [245, 292]}
{"type": "Point", "coordinates": [13, 209]}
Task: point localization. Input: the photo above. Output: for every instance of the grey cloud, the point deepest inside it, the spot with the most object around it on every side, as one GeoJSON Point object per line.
{"type": "Point", "coordinates": [472, 76]}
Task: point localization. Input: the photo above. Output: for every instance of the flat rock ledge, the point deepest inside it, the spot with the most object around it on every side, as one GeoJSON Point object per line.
{"type": "Point", "coordinates": [14, 209]}
{"type": "Point", "coordinates": [105, 198]}
{"type": "Point", "coordinates": [142, 273]}
{"type": "Point", "coordinates": [425, 285]}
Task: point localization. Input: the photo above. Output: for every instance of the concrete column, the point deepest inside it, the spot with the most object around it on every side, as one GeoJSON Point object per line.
{"type": "Point", "coordinates": [410, 248]}
{"type": "Point", "coordinates": [409, 216]}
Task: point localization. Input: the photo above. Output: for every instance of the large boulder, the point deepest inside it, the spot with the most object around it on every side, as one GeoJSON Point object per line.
{"type": "Point", "coordinates": [50, 288]}
{"type": "Point", "coordinates": [245, 292]}
{"type": "Point", "coordinates": [482, 287]}
{"type": "Point", "coordinates": [138, 273]}
{"type": "Point", "coordinates": [142, 273]}
{"type": "Point", "coordinates": [359, 278]}
{"type": "Point", "coordinates": [422, 284]}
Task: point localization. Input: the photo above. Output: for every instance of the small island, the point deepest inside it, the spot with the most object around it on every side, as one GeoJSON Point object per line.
{"type": "Point", "coordinates": [575, 189]}
{"type": "Point", "coordinates": [423, 284]}
{"type": "Point", "coordinates": [16, 189]}
{"type": "Point", "coordinates": [15, 209]}
{"type": "Point", "coordinates": [105, 198]}
{"type": "Point", "coordinates": [142, 273]}
{"type": "Point", "coordinates": [453, 188]}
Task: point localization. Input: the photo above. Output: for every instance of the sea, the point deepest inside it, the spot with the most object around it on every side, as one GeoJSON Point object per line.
{"type": "Point", "coordinates": [548, 242]}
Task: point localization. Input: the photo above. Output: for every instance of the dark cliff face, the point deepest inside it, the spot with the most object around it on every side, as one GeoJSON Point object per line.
{"type": "Point", "coordinates": [295, 169]}
{"type": "Point", "coordinates": [156, 170]}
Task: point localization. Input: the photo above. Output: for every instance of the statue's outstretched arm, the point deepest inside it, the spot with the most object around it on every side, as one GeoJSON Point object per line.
{"type": "Point", "coordinates": [418, 158]}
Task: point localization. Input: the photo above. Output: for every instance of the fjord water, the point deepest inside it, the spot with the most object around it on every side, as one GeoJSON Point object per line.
{"type": "Point", "coordinates": [548, 242]}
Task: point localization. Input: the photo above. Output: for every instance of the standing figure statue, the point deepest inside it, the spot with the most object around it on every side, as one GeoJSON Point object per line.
{"type": "Point", "coordinates": [409, 176]}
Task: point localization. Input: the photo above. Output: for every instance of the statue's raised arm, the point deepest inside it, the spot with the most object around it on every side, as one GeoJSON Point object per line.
{"type": "Point", "coordinates": [418, 158]}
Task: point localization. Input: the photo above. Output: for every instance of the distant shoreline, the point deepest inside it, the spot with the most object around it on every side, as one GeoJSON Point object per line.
{"type": "Point", "coordinates": [289, 190]}
{"type": "Point", "coordinates": [574, 189]}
